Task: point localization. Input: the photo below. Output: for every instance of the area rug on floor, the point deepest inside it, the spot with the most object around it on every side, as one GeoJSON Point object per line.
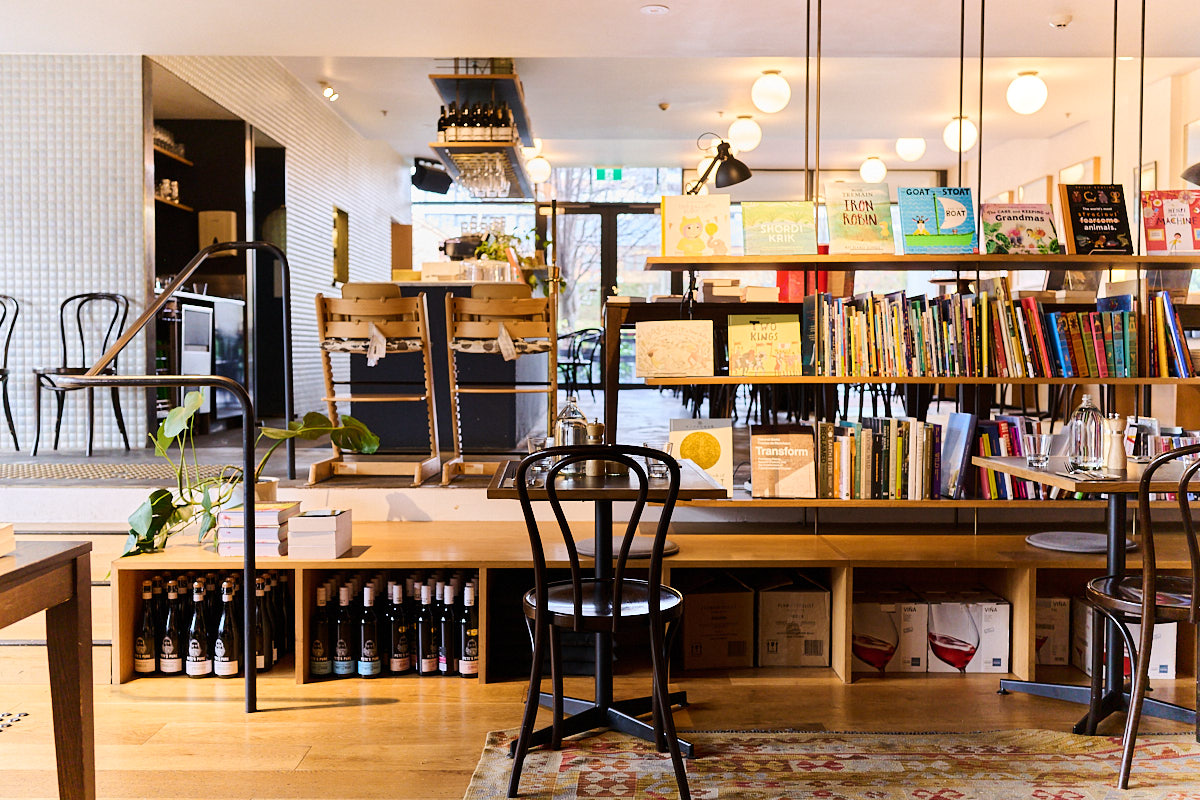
{"type": "Point", "coordinates": [1001, 765]}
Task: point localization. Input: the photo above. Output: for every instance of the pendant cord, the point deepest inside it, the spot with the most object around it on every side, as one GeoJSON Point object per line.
{"type": "Point", "coordinates": [962, 43]}
{"type": "Point", "coordinates": [817, 150]}
{"type": "Point", "coordinates": [1112, 159]}
{"type": "Point", "coordinates": [808, 193]}
{"type": "Point", "coordinates": [979, 137]}
{"type": "Point", "coordinates": [1141, 125]}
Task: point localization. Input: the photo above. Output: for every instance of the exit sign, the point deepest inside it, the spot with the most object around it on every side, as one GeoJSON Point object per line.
{"type": "Point", "coordinates": [608, 173]}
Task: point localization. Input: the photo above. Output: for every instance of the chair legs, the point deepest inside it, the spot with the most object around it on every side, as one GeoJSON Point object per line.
{"type": "Point", "coordinates": [60, 398]}
{"type": "Point", "coordinates": [37, 416]}
{"type": "Point", "coordinates": [658, 653]}
{"type": "Point", "coordinates": [531, 708]}
{"type": "Point", "coordinates": [556, 679]}
{"type": "Point", "coordinates": [1137, 694]}
{"type": "Point", "coordinates": [116, 402]}
{"type": "Point", "coordinates": [12, 429]}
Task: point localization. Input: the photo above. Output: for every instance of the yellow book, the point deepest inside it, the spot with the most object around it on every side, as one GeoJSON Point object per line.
{"type": "Point", "coordinates": [1161, 335]}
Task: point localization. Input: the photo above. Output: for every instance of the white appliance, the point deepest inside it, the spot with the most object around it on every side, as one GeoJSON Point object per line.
{"type": "Point", "coordinates": [196, 346]}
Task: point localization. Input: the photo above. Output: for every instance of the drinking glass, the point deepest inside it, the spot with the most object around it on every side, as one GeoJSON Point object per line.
{"type": "Point", "coordinates": [875, 635]}
{"type": "Point", "coordinates": [1037, 449]}
{"type": "Point", "coordinates": [655, 469]}
{"type": "Point", "coordinates": [537, 444]}
{"type": "Point", "coordinates": [953, 634]}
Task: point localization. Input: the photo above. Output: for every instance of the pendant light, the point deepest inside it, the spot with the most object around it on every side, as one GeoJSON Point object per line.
{"type": "Point", "coordinates": [951, 133]}
{"type": "Point", "coordinates": [539, 169]}
{"type": "Point", "coordinates": [873, 170]}
{"type": "Point", "coordinates": [910, 149]}
{"type": "Point", "coordinates": [532, 152]}
{"type": "Point", "coordinates": [770, 92]}
{"type": "Point", "coordinates": [1027, 93]}
{"type": "Point", "coordinates": [744, 133]}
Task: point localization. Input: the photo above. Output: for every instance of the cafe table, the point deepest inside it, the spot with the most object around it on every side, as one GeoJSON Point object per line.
{"type": "Point", "coordinates": [1117, 487]}
{"type": "Point", "coordinates": [602, 711]}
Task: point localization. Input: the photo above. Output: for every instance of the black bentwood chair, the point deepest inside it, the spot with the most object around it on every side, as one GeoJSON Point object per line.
{"type": "Point", "coordinates": [92, 312]}
{"type": "Point", "coordinates": [599, 606]}
{"type": "Point", "coordinates": [9, 310]}
{"type": "Point", "coordinates": [1146, 597]}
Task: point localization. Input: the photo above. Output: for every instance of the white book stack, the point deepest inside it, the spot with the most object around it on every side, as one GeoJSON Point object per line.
{"type": "Point", "coordinates": [269, 540]}
{"type": "Point", "coordinates": [322, 533]}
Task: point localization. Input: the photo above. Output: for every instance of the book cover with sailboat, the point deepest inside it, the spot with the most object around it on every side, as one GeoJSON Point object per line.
{"type": "Point", "coordinates": [937, 220]}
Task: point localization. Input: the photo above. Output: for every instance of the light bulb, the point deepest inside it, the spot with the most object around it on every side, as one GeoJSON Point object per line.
{"type": "Point", "coordinates": [703, 165]}
{"type": "Point", "coordinates": [333, 96]}
{"type": "Point", "coordinates": [532, 152]}
{"type": "Point", "coordinates": [873, 170]}
{"type": "Point", "coordinates": [744, 133]}
{"type": "Point", "coordinates": [1027, 93]}
{"type": "Point", "coordinates": [910, 149]}
{"type": "Point", "coordinates": [539, 169]}
{"type": "Point", "coordinates": [770, 92]}
{"type": "Point", "coordinates": [969, 134]}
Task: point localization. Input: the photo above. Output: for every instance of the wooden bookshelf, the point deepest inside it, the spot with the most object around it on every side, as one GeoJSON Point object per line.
{"type": "Point", "coordinates": [960, 262]}
{"type": "Point", "coordinates": [726, 380]}
{"type": "Point", "coordinates": [172, 203]}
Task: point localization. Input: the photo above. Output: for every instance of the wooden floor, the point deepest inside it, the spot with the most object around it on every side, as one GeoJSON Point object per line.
{"type": "Point", "coordinates": [420, 738]}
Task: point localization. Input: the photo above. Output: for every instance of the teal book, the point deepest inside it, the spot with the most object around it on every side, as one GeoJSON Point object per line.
{"type": "Point", "coordinates": [937, 220]}
{"type": "Point", "coordinates": [785, 228]}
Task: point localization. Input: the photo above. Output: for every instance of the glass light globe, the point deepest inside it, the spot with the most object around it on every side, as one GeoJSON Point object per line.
{"type": "Point", "coordinates": [770, 92]}
{"type": "Point", "coordinates": [969, 134]}
{"type": "Point", "coordinates": [532, 152]}
{"type": "Point", "coordinates": [703, 165]}
{"type": "Point", "coordinates": [1027, 93]}
{"type": "Point", "coordinates": [910, 149]}
{"type": "Point", "coordinates": [744, 133]}
{"type": "Point", "coordinates": [538, 169]}
{"type": "Point", "coordinates": [873, 170]}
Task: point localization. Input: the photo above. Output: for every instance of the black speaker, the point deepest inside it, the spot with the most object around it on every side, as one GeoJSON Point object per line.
{"type": "Point", "coordinates": [428, 176]}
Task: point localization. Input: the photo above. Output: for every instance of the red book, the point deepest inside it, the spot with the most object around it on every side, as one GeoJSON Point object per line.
{"type": "Point", "coordinates": [1033, 318]}
{"type": "Point", "coordinates": [999, 361]}
{"type": "Point", "coordinates": [1078, 354]}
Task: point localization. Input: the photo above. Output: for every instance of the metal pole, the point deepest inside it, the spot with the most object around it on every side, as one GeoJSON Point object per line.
{"type": "Point", "coordinates": [962, 50]}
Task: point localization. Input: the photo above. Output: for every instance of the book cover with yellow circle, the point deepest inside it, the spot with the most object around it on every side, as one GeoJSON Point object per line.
{"type": "Point", "coordinates": [708, 443]}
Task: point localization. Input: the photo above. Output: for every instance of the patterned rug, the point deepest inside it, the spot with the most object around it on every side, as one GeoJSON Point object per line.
{"type": "Point", "coordinates": [156, 471]}
{"type": "Point", "coordinates": [1002, 765]}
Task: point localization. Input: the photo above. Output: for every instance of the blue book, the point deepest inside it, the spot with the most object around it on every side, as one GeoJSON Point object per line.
{"type": "Point", "coordinates": [938, 219]}
{"type": "Point", "coordinates": [1179, 353]}
{"type": "Point", "coordinates": [1120, 302]}
{"type": "Point", "coordinates": [1056, 346]}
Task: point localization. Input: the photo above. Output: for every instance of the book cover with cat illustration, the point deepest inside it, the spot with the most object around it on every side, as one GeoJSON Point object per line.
{"type": "Point", "coordinates": [695, 225]}
{"type": "Point", "coordinates": [937, 220]}
{"type": "Point", "coordinates": [860, 218]}
{"type": "Point", "coordinates": [783, 228]}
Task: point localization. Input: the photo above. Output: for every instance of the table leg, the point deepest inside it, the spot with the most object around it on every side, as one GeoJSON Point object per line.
{"type": "Point", "coordinates": [69, 650]}
{"type": "Point", "coordinates": [1114, 666]}
{"type": "Point", "coordinates": [602, 537]}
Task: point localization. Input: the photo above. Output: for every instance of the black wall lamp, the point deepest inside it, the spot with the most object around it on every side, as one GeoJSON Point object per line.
{"type": "Point", "coordinates": [729, 169]}
{"type": "Point", "coordinates": [430, 176]}
{"type": "Point", "coordinates": [1192, 174]}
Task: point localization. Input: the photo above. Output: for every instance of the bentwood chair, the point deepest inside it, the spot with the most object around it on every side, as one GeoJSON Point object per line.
{"type": "Point", "coordinates": [9, 310]}
{"type": "Point", "coordinates": [583, 351]}
{"type": "Point", "coordinates": [592, 605]}
{"type": "Point", "coordinates": [1148, 598]}
{"type": "Point", "coordinates": [85, 316]}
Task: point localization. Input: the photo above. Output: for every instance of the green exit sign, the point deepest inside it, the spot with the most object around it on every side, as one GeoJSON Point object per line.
{"type": "Point", "coordinates": [608, 173]}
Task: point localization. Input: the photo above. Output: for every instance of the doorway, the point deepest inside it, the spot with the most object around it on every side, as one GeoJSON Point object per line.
{"type": "Point", "coordinates": [264, 299]}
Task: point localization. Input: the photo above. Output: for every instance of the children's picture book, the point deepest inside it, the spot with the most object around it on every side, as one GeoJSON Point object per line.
{"type": "Point", "coordinates": [779, 228]}
{"type": "Point", "coordinates": [937, 220]}
{"type": "Point", "coordinates": [708, 443]}
{"type": "Point", "coordinates": [1018, 228]}
{"type": "Point", "coordinates": [695, 225]}
{"type": "Point", "coordinates": [957, 439]}
{"type": "Point", "coordinates": [1095, 219]}
{"type": "Point", "coordinates": [860, 218]}
{"type": "Point", "coordinates": [674, 348]}
{"type": "Point", "coordinates": [1172, 222]}
{"type": "Point", "coordinates": [764, 344]}
{"type": "Point", "coordinates": [782, 461]}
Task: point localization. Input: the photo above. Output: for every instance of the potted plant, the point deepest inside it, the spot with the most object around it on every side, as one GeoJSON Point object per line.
{"type": "Point", "coordinates": [507, 247]}
{"type": "Point", "coordinates": [199, 494]}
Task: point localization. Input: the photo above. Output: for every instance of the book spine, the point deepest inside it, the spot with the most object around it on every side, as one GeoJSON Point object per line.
{"type": "Point", "coordinates": [935, 481]}
{"type": "Point", "coordinates": [1097, 334]}
{"type": "Point", "coordinates": [1104, 322]}
{"type": "Point", "coordinates": [1116, 323]}
{"type": "Point", "coordinates": [1133, 349]}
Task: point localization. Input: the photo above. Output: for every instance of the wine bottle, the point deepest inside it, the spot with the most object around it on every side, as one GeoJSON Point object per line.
{"type": "Point", "coordinates": [199, 658]}
{"type": "Point", "coordinates": [277, 624]}
{"type": "Point", "coordinates": [468, 626]}
{"type": "Point", "coordinates": [448, 636]}
{"type": "Point", "coordinates": [286, 612]}
{"type": "Point", "coordinates": [145, 660]}
{"type": "Point", "coordinates": [269, 609]}
{"type": "Point", "coordinates": [400, 659]}
{"type": "Point", "coordinates": [369, 665]}
{"type": "Point", "coordinates": [170, 655]}
{"type": "Point", "coordinates": [263, 654]}
{"type": "Point", "coordinates": [441, 124]}
{"type": "Point", "coordinates": [319, 664]}
{"type": "Point", "coordinates": [212, 608]}
{"type": "Point", "coordinates": [160, 608]}
{"type": "Point", "coordinates": [343, 636]}
{"type": "Point", "coordinates": [226, 663]}
{"type": "Point", "coordinates": [427, 635]}
{"type": "Point", "coordinates": [452, 123]}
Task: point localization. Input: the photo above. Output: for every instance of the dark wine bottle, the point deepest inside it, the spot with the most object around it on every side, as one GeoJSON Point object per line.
{"type": "Point", "coordinates": [145, 660]}
{"type": "Point", "coordinates": [427, 635]}
{"type": "Point", "coordinates": [468, 626]}
{"type": "Point", "coordinates": [226, 643]}
{"type": "Point", "coordinates": [452, 123]}
{"type": "Point", "coordinates": [343, 636]}
{"type": "Point", "coordinates": [441, 124]}
{"type": "Point", "coordinates": [400, 658]}
{"type": "Point", "coordinates": [199, 662]}
{"type": "Point", "coordinates": [286, 612]}
{"type": "Point", "coordinates": [160, 608]}
{"type": "Point", "coordinates": [369, 664]}
{"type": "Point", "coordinates": [319, 665]}
{"type": "Point", "coordinates": [448, 635]}
{"type": "Point", "coordinates": [263, 653]}
{"type": "Point", "coordinates": [171, 643]}
{"type": "Point", "coordinates": [212, 608]}
{"type": "Point", "coordinates": [269, 610]}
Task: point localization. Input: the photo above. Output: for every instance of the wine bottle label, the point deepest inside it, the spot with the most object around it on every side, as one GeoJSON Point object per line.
{"type": "Point", "coordinates": [471, 649]}
{"type": "Point", "coordinates": [323, 667]}
{"type": "Point", "coordinates": [170, 660]}
{"type": "Point", "coordinates": [225, 668]}
{"type": "Point", "coordinates": [143, 655]}
{"type": "Point", "coordinates": [343, 667]}
{"type": "Point", "coordinates": [468, 666]}
{"type": "Point", "coordinates": [429, 664]}
{"type": "Point", "coordinates": [368, 659]}
{"type": "Point", "coordinates": [199, 666]}
{"type": "Point", "coordinates": [400, 663]}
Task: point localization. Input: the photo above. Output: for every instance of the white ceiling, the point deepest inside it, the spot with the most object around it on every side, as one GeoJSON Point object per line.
{"type": "Point", "coordinates": [596, 70]}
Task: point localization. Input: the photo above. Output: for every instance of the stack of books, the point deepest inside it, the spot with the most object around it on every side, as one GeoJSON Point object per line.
{"type": "Point", "coordinates": [321, 533]}
{"type": "Point", "coordinates": [270, 529]}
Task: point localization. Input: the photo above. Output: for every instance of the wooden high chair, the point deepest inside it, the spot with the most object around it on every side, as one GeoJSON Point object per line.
{"type": "Point", "coordinates": [343, 326]}
{"type": "Point", "coordinates": [473, 326]}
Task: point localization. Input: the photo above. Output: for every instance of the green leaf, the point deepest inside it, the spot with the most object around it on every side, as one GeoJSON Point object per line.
{"type": "Point", "coordinates": [192, 401]}
{"type": "Point", "coordinates": [175, 423]}
{"type": "Point", "coordinates": [353, 435]}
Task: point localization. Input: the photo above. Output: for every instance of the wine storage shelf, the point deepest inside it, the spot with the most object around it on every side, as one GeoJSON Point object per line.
{"type": "Point", "coordinates": [1004, 562]}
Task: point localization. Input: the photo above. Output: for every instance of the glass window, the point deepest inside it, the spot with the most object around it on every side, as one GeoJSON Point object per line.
{"type": "Point", "coordinates": [636, 185]}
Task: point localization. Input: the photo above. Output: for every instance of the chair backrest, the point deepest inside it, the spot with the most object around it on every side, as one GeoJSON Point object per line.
{"type": "Point", "coordinates": [1145, 523]}
{"type": "Point", "coordinates": [480, 318]}
{"type": "Point", "coordinates": [351, 317]}
{"type": "Point", "coordinates": [10, 309]}
{"type": "Point", "coordinates": [513, 291]}
{"type": "Point", "coordinates": [372, 291]}
{"type": "Point", "coordinates": [631, 457]}
{"type": "Point", "coordinates": [85, 315]}
{"type": "Point", "coordinates": [587, 344]}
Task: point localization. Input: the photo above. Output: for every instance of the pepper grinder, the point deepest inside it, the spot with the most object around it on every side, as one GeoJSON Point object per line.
{"type": "Point", "coordinates": [1115, 458]}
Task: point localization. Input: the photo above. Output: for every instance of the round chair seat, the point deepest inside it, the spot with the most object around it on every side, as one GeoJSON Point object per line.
{"type": "Point", "coordinates": [597, 603]}
{"type": "Point", "coordinates": [1173, 595]}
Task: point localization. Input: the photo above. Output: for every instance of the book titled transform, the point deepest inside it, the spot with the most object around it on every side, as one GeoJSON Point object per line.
{"type": "Point", "coordinates": [782, 461]}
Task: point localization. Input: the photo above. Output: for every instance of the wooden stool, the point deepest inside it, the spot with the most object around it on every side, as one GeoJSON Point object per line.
{"type": "Point", "coordinates": [344, 326]}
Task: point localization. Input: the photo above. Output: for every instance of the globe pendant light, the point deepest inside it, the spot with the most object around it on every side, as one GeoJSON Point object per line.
{"type": "Point", "coordinates": [539, 169]}
{"type": "Point", "coordinates": [969, 134]}
{"type": "Point", "coordinates": [910, 149]}
{"type": "Point", "coordinates": [1027, 93]}
{"type": "Point", "coordinates": [770, 92]}
{"type": "Point", "coordinates": [744, 133]}
{"type": "Point", "coordinates": [873, 170]}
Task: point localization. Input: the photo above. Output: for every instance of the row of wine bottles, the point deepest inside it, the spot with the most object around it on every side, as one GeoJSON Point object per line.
{"type": "Point", "coordinates": [201, 636]}
{"type": "Point", "coordinates": [428, 625]}
{"type": "Point", "coordinates": [481, 122]}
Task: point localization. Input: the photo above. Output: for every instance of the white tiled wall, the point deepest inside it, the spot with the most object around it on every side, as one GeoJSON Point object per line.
{"type": "Point", "coordinates": [70, 204]}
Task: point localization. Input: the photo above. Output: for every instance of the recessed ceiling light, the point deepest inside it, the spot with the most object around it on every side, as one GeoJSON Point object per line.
{"type": "Point", "coordinates": [1124, 58]}
{"type": "Point", "coordinates": [655, 10]}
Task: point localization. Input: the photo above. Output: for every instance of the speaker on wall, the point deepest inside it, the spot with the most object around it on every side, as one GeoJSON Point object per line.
{"type": "Point", "coordinates": [430, 176]}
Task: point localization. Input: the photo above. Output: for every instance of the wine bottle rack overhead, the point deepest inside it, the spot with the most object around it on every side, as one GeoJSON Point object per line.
{"type": "Point", "coordinates": [468, 89]}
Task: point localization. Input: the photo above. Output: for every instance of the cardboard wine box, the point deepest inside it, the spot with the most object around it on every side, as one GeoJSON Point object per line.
{"type": "Point", "coordinates": [1162, 651]}
{"type": "Point", "coordinates": [718, 624]}
{"type": "Point", "coordinates": [890, 631]}
{"type": "Point", "coordinates": [793, 624]}
{"type": "Point", "coordinates": [969, 630]}
{"type": "Point", "coordinates": [1052, 637]}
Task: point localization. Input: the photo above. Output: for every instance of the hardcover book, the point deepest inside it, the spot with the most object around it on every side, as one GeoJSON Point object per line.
{"type": "Point", "coordinates": [1172, 222]}
{"type": "Point", "coordinates": [708, 443]}
{"type": "Point", "coordinates": [937, 220]}
{"type": "Point", "coordinates": [674, 348]}
{"type": "Point", "coordinates": [1095, 219]}
{"type": "Point", "coordinates": [782, 461]}
{"type": "Point", "coordinates": [264, 514]}
{"type": "Point", "coordinates": [957, 438]}
{"type": "Point", "coordinates": [860, 218]}
{"type": "Point", "coordinates": [779, 228]}
{"type": "Point", "coordinates": [764, 344]}
{"type": "Point", "coordinates": [1025, 228]}
{"type": "Point", "coordinates": [695, 225]}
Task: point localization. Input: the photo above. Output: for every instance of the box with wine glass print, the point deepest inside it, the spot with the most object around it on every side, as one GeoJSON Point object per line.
{"type": "Point", "coordinates": [968, 631]}
{"type": "Point", "coordinates": [889, 631]}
